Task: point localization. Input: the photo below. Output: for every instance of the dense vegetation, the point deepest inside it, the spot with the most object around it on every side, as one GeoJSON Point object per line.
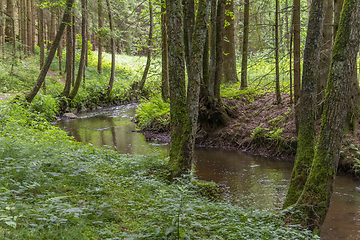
{"type": "Point", "coordinates": [55, 188]}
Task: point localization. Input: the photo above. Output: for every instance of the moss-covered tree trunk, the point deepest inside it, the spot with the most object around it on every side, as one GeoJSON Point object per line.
{"type": "Point", "coordinates": [245, 45]}
{"type": "Point", "coordinates": [315, 200]}
{"type": "Point", "coordinates": [65, 21]}
{"type": "Point", "coordinates": [213, 45]}
{"type": "Point", "coordinates": [179, 123]}
{"type": "Point", "coordinates": [307, 106]}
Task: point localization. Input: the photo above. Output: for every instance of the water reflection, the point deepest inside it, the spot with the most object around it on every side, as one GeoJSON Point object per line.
{"type": "Point", "coordinates": [111, 127]}
{"type": "Point", "coordinates": [252, 181]}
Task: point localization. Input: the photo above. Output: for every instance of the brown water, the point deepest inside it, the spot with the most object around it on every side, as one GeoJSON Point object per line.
{"type": "Point", "coordinates": [251, 181]}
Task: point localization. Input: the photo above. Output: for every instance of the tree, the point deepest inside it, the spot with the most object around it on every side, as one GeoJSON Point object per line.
{"type": "Point", "coordinates": [69, 59]}
{"type": "Point", "coordinates": [100, 26]}
{"type": "Point", "coordinates": [148, 49]}
{"type": "Point", "coordinates": [29, 26]}
{"type": "Point", "coordinates": [184, 111]}
{"type": "Point", "coordinates": [41, 35]}
{"type": "Point", "coordinates": [245, 45]}
{"type": "Point", "coordinates": [297, 75]}
{"type": "Point", "coordinates": [112, 74]}
{"type": "Point", "coordinates": [277, 74]}
{"type": "Point", "coordinates": [220, 31]}
{"type": "Point", "coordinates": [9, 22]}
{"type": "Point", "coordinates": [65, 21]}
{"type": "Point", "coordinates": [314, 200]}
{"type": "Point", "coordinates": [306, 135]}
{"type": "Point", "coordinates": [83, 52]}
{"type": "Point", "coordinates": [229, 73]}
{"type": "Point", "coordinates": [164, 53]}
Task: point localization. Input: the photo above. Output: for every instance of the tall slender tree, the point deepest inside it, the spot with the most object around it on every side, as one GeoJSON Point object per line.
{"type": "Point", "coordinates": [100, 26]}
{"type": "Point", "coordinates": [164, 53]}
{"type": "Point", "coordinates": [315, 199]}
{"type": "Point", "coordinates": [277, 70]}
{"type": "Point", "coordinates": [306, 137]}
{"type": "Point", "coordinates": [297, 75]}
{"type": "Point", "coordinates": [229, 73]}
{"type": "Point", "coordinates": [148, 48]}
{"type": "Point", "coordinates": [112, 74]}
{"type": "Point", "coordinates": [245, 45]}
{"type": "Point", "coordinates": [65, 21]}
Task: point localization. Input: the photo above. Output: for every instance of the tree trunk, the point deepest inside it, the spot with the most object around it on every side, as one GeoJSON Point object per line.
{"type": "Point", "coordinates": [165, 57]}
{"type": "Point", "coordinates": [188, 20]}
{"type": "Point", "coordinates": [245, 46]}
{"type": "Point", "coordinates": [41, 36]}
{"type": "Point", "coordinates": [9, 22]}
{"type": "Point", "coordinates": [100, 26]}
{"type": "Point", "coordinates": [315, 200]}
{"type": "Point", "coordinates": [213, 45]}
{"type": "Point", "coordinates": [40, 80]}
{"type": "Point", "coordinates": [29, 26]}
{"type": "Point", "coordinates": [112, 75]}
{"type": "Point", "coordinates": [59, 51]}
{"type": "Point", "coordinates": [307, 106]}
{"type": "Point", "coordinates": [325, 57]}
{"type": "Point", "coordinates": [277, 70]}
{"type": "Point", "coordinates": [229, 66]}
{"type": "Point", "coordinates": [32, 46]}
{"type": "Point", "coordinates": [220, 22]}
{"type": "Point", "coordinates": [179, 122]}
{"type": "Point", "coordinates": [73, 50]}
{"type": "Point", "coordinates": [338, 4]}
{"type": "Point", "coordinates": [296, 21]}
{"type": "Point", "coordinates": [69, 60]}
{"type": "Point", "coordinates": [83, 52]}
{"type": "Point", "coordinates": [149, 49]}
{"type": "Point", "coordinates": [2, 35]}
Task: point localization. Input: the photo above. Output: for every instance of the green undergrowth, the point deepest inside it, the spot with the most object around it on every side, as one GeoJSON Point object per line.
{"type": "Point", "coordinates": [20, 76]}
{"type": "Point", "coordinates": [52, 187]}
{"type": "Point", "coordinates": [350, 157]}
{"type": "Point", "coordinates": [153, 114]}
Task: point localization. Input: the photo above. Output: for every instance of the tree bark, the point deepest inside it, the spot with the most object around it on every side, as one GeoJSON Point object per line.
{"type": "Point", "coordinates": [315, 200]}
{"type": "Point", "coordinates": [245, 46]}
{"type": "Point", "coordinates": [2, 35]}
{"type": "Point", "coordinates": [9, 22]}
{"type": "Point", "coordinates": [164, 53]}
{"type": "Point", "coordinates": [213, 45]}
{"type": "Point", "coordinates": [29, 26]}
{"type": "Point", "coordinates": [337, 11]}
{"type": "Point", "coordinates": [149, 49]}
{"type": "Point", "coordinates": [69, 60]}
{"type": "Point", "coordinates": [179, 122]}
{"type": "Point", "coordinates": [277, 70]}
{"type": "Point", "coordinates": [112, 75]}
{"type": "Point", "coordinates": [297, 75]}
{"type": "Point", "coordinates": [32, 46]}
{"type": "Point", "coordinates": [188, 20]}
{"type": "Point", "coordinates": [325, 57]}
{"type": "Point", "coordinates": [41, 35]}
{"type": "Point", "coordinates": [59, 51]}
{"type": "Point", "coordinates": [40, 80]}
{"type": "Point", "coordinates": [100, 26]}
{"type": "Point", "coordinates": [220, 22]}
{"type": "Point", "coordinates": [73, 50]}
{"type": "Point", "coordinates": [75, 89]}
{"type": "Point", "coordinates": [229, 71]}
{"type": "Point", "coordinates": [306, 137]}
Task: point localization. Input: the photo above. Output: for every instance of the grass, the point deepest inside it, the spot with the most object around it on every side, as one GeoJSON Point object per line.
{"type": "Point", "coordinates": [54, 188]}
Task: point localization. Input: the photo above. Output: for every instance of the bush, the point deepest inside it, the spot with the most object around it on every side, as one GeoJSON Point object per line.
{"type": "Point", "coordinates": [153, 114]}
{"type": "Point", "coordinates": [45, 106]}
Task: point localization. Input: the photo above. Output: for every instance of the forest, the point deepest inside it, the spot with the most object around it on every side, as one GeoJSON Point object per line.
{"type": "Point", "coordinates": [179, 119]}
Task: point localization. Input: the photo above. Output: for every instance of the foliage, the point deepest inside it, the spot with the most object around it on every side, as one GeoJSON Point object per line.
{"type": "Point", "coordinates": [45, 106]}
{"type": "Point", "coordinates": [153, 114]}
{"type": "Point", "coordinates": [54, 188]}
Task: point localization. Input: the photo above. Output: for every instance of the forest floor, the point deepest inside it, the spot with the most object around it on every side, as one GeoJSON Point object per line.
{"type": "Point", "coordinates": [263, 128]}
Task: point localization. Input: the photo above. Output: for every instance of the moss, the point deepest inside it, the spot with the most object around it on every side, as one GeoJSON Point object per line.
{"type": "Point", "coordinates": [207, 189]}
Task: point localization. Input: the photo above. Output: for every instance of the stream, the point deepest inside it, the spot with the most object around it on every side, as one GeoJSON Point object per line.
{"type": "Point", "coordinates": [251, 181]}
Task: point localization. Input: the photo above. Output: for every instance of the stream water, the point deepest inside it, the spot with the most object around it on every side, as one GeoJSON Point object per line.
{"type": "Point", "coordinates": [251, 181]}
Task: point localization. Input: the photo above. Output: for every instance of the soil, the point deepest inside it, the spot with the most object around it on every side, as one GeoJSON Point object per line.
{"type": "Point", "coordinates": [263, 128]}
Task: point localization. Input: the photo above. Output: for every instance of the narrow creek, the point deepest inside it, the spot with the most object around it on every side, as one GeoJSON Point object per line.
{"type": "Point", "coordinates": [251, 181]}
